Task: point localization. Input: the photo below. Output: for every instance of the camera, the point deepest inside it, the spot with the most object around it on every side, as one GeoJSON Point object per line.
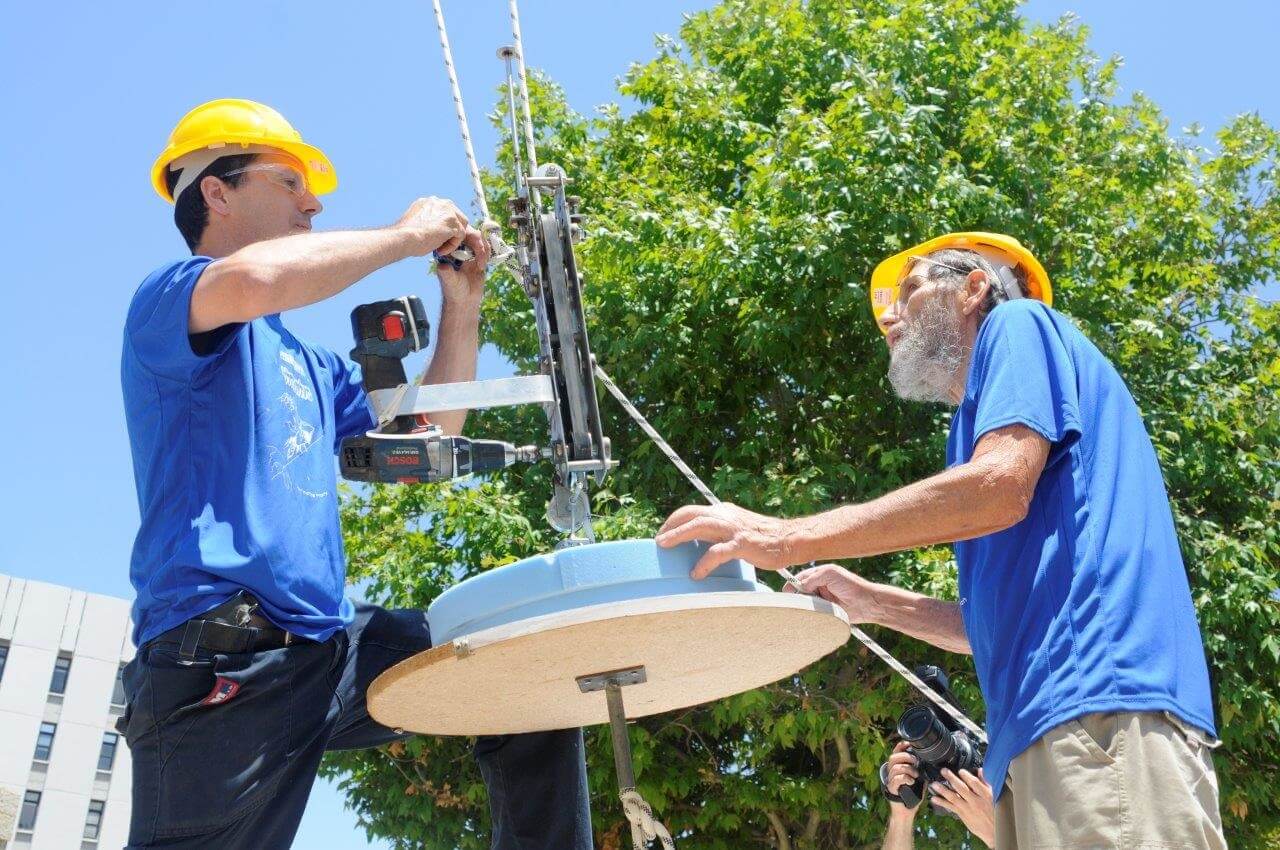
{"type": "Point", "coordinates": [935, 739]}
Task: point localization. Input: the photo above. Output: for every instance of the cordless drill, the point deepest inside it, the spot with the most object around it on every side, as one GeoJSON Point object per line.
{"type": "Point", "coordinates": [407, 448]}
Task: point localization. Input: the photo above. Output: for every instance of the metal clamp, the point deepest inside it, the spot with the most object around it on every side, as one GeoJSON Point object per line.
{"type": "Point", "coordinates": [599, 681]}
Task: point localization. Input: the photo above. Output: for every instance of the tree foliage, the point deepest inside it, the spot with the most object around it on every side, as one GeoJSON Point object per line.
{"type": "Point", "coordinates": [778, 150]}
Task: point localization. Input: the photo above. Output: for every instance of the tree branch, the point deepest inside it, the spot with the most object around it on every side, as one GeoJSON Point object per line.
{"type": "Point", "coordinates": [846, 757]}
{"type": "Point", "coordinates": [811, 827]}
{"type": "Point", "coordinates": [779, 830]}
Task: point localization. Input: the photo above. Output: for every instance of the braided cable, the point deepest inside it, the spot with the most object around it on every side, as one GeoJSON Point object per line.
{"type": "Point", "coordinates": [499, 251]}
{"type": "Point", "coordinates": [460, 111]}
{"type": "Point", "coordinates": [653, 434]}
{"type": "Point", "coordinates": [518, 44]}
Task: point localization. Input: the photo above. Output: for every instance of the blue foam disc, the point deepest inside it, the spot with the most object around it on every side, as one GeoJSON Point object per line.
{"type": "Point", "coordinates": [575, 578]}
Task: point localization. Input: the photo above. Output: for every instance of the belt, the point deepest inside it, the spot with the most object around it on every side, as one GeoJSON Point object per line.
{"type": "Point", "coordinates": [231, 627]}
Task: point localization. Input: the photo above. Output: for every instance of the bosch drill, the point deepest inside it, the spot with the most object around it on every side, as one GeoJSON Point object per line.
{"type": "Point", "coordinates": [407, 448]}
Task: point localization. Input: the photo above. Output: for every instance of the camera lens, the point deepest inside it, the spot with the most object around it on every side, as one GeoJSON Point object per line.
{"type": "Point", "coordinates": [921, 728]}
{"type": "Point", "coordinates": [919, 725]}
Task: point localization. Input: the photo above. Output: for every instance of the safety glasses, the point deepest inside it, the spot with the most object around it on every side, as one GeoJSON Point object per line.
{"type": "Point", "coordinates": [285, 176]}
{"type": "Point", "coordinates": [930, 260]}
{"type": "Point", "coordinates": [1004, 284]}
{"type": "Point", "coordinates": [908, 274]}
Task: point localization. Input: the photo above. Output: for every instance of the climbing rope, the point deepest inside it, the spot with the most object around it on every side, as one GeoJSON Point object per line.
{"type": "Point", "coordinates": [662, 444]}
{"type": "Point", "coordinates": [644, 826]}
{"type": "Point", "coordinates": [518, 44]}
{"type": "Point", "coordinates": [501, 253]}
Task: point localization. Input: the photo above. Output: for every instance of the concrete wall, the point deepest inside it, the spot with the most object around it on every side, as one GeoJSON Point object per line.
{"type": "Point", "coordinates": [10, 802]}
{"type": "Point", "coordinates": [39, 622]}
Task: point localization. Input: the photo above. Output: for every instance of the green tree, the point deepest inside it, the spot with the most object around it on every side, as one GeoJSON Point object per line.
{"type": "Point", "coordinates": [778, 151]}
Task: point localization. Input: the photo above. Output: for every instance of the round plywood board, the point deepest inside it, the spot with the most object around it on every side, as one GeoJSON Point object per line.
{"type": "Point", "coordinates": [521, 677]}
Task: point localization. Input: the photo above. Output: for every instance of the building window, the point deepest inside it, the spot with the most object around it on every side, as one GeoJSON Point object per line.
{"type": "Point", "coordinates": [107, 755]}
{"type": "Point", "coordinates": [61, 669]}
{"type": "Point", "coordinates": [93, 821]}
{"type": "Point", "coordinates": [44, 741]}
{"type": "Point", "coordinates": [30, 805]}
{"type": "Point", "coordinates": [4, 656]}
{"type": "Point", "coordinates": [117, 695]}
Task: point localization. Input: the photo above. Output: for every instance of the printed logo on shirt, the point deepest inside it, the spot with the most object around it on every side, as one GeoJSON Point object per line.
{"type": "Point", "coordinates": [295, 375]}
{"type": "Point", "coordinates": [302, 435]}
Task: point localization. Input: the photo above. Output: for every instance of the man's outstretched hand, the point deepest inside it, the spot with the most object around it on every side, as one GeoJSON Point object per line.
{"type": "Point", "coordinates": [733, 532]}
{"type": "Point", "coordinates": [767, 543]}
{"type": "Point", "coordinates": [836, 584]}
{"type": "Point", "coordinates": [436, 224]}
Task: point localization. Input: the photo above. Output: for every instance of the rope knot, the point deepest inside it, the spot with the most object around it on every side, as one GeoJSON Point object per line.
{"type": "Point", "coordinates": [500, 253]}
{"type": "Point", "coordinates": [644, 826]}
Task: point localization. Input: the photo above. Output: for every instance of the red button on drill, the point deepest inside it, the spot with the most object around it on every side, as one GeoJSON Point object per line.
{"type": "Point", "coordinates": [393, 326]}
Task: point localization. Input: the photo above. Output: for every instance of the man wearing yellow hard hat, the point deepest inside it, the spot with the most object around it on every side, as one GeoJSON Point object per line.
{"type": "Point", "coordinates": [251, 663]}
{"type": "Point", "coordinates": [1074, 601]}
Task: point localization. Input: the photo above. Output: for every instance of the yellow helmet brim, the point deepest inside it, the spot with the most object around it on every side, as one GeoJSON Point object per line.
{"type": "Point", "coordinates": [319, 171]}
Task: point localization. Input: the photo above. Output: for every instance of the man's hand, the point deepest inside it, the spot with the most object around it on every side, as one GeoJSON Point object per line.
{"type": "Point", "coordinates": [902, 772]}
{"type": "Point", "coordinates": [465, 286]}
{"type": "Point", "coordinates": [836, 584]}
{"type": "Point", "coordinates": [968, 798]}
{"type": "Point", "coordinates": [457, 335]}
{"type": "Point", "coordinates": [931, 620]}
{"type": "Point", "coordinates": [436, 225]}
{"type": "Point", "coordinates": [734, 532]}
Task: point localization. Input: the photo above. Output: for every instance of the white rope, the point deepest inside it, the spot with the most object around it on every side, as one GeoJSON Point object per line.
{"type": "Point", "coordinates": [880, 652]}
{"type": "Point", "coordinates": [644, 826]}
{"type": "Point", "coordinates": [461, 112]}
{"type": "Point", "coordinates": [656, 437]}
{"type": "Point", "coordinates": [518, 44]}
{"type": "Point", "coordinates": [883, 654]}
{"type": "Point", "coordinates": [500, 252]}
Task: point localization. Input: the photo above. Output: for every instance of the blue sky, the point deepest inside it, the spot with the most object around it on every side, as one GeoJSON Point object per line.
{"type": "Point", "coordinates": [93, 92]}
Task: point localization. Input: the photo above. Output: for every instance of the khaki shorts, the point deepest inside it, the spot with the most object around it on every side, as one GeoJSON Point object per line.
{"type": "Point", "coordinates": [1125, 780]}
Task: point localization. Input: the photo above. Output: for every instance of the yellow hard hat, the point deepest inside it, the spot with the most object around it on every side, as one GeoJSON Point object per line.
{"type": "Point", "coordinates": [233, 122]}
{"type": "Point", "coordinates": [887, 275]}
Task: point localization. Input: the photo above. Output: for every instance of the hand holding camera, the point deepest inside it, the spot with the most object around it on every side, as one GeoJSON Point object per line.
{"type": "Point", "coordinates": [937, 751]}
{"type": "Point", "coordinates": [935, 742]}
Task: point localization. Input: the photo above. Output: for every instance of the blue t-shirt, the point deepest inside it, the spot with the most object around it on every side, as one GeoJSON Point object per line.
{"type": "Point", "coordinates": [233, 435]}
{"type": "Point", "coordinates": [1083, 606]}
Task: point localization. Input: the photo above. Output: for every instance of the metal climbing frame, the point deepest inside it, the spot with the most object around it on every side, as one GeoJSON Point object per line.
{"type": "Point", "coordinates": [547, 224]}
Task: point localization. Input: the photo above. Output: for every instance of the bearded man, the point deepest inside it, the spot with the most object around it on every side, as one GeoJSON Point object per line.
{"type": "Point", "coordinates": [1074, 600]}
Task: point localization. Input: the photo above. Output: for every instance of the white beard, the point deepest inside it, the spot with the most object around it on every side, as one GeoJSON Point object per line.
{"type": "Point", "coordinates": [925, 360]}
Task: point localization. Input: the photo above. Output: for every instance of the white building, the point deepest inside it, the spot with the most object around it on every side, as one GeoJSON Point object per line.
{"type": "Point", "coordinates": [62, 764]}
